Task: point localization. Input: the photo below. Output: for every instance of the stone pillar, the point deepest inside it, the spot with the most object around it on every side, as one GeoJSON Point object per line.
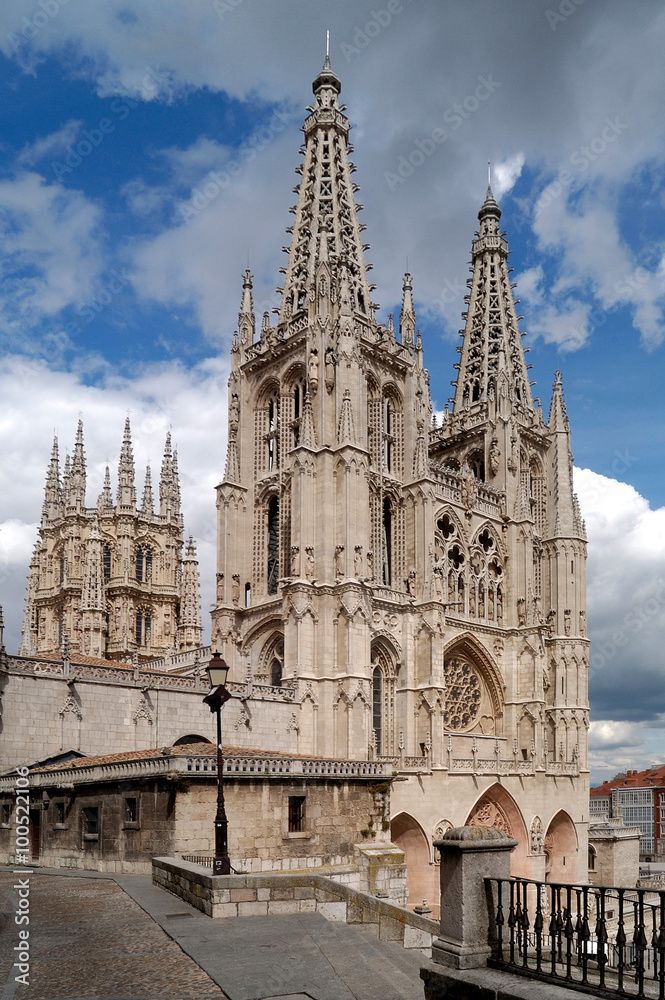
{"type": "Point", "coordinates": [469, 854]}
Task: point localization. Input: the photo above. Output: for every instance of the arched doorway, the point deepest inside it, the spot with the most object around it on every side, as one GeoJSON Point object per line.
{"type": "Point", "coordinates": [496, 807]}
{"type": "Point", "coordinates": [561, 849]}
{"type": "Point", "coordinates": [421, 878]}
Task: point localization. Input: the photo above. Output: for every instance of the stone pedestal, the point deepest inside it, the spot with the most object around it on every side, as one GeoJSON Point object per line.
{"type": "Point", "coordinates": [469, 854]}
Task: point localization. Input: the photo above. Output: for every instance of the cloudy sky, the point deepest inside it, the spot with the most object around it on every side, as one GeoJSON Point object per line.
{"type": "Point", "coordinates": [147, 153]}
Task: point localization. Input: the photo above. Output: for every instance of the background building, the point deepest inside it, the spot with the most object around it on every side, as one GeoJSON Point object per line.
{"type": "Point", "coordinates": [111, 580]}
{"type": "Point", "coordinates": [638, 796]}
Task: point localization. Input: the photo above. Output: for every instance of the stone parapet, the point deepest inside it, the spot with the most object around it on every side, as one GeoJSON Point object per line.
{"type": "Point", "coordinates": [262, 895]}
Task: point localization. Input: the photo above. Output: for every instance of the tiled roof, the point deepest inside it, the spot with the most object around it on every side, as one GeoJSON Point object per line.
{"type": "Point", "coordinates": [653, 777]}
{"type": "Point", "coordinates": [188, 750]}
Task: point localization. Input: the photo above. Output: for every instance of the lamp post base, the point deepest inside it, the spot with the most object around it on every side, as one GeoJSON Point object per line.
{"type": "Point", "coordinates": [221, 866]}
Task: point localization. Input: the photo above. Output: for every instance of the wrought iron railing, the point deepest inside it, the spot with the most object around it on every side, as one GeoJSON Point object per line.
{"type": "Point", "coordinates": [606, 941]}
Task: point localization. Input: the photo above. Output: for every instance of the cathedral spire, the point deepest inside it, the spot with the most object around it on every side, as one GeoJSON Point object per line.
{"type": "Point", "coordinates": [189, 630]}
{"type": "Point", "coordinates": [325, 207]}
{"type": "Point", "coordinates": [558, 419]}
{"type": "Point", "coordinates": [126, 489]}
{"type": "Point", "coordinates": [407, 317]}
{"type": "Point", "coordinates": [75, 491]}
{"type": "Point", "coordinates": [147, 503]}
{"type": "Point", "coordinates": [52, 490]}
{"type": "Point", "coordinates": [246, 320]}
{"type": "Point", "coordinates": [105, 499]}
{"type": "Point", "coordinates": [492, 363]}
{"type": "Point", "coordinates": [167, 488]}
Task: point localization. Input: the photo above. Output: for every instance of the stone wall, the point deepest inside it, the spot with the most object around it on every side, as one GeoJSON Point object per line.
{"type": "Point", "coordinates": [264, 895]}
{"type": "Point", "coordinates": [337, 814]}
{"type": "Point", "coordinates": [110, 709]}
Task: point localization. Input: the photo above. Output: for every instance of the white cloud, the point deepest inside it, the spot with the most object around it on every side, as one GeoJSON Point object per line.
{"type": "Point", "coordinates": [505, 174]}
{"type": "Point", "coordinates": [55, 144]}
{"type": "Point", "coordinates": [50, 250]}
{"type": "Point", "coordinates": [607, 735]}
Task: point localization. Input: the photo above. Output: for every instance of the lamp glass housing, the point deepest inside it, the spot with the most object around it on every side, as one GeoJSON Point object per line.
{"type": "Point", "coordinates": [218, 671]}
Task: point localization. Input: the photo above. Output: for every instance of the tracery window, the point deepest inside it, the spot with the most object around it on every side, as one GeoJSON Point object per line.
{"type": "Point", "coordinates": [377, 707]}
{"type": "Point", "coordinates": [463, 694]}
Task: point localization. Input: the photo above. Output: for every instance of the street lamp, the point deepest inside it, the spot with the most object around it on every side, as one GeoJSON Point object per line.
{"type": "Point", "coordinates": [218, 673]}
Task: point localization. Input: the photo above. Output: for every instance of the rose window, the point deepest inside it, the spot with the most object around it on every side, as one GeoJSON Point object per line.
{"type": "Point", "coordinates": [463, 694]}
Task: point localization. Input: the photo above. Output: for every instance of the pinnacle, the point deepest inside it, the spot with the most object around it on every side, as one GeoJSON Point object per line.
{"type": "Point", "coordinates": [489, 206]}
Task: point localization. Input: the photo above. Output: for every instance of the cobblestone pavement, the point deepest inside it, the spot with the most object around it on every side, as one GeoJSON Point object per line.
{"type": "Point", "coordinates": [88, 939]}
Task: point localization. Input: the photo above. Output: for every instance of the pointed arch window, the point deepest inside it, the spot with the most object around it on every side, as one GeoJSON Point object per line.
{"type": "Point", "coordinates": [143, 564]}
{"type": "Point", "coordinates": [106, 562]}
{"type": "Point", "coordinates": [273, 545]}
{"type": "Point", "coordinates": [277, 665]}
{"type": "Point", "coordinates": [272, 437]}
{"type": "Point", "coordinates": [143, 627]}
{"type": "Point", "coordinates": [377, 708]}
{"type": "Point", "coordinates": [387, 541]}
{"type": "Point", "coordinates": [388, 437]}
{"type": "Point", "coordinates": [299, 392]}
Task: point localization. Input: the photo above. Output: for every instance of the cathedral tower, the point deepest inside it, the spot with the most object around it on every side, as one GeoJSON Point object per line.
{"type": "Point", "coordinates": [418, 591]}
{"type": "Point", "coordinates": [111, 579]}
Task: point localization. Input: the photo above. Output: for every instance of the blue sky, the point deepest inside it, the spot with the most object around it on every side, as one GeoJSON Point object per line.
{"type": "Point", "coordinates": [121, 255]}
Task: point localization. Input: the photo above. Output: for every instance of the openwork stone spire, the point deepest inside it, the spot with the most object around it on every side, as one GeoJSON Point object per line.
{"type": "Point", "coordinates": [169, 490]}
{"type": "Point", "coordinates": [325, 204]}
{"type": "Point", "coordinates": [75, 489]}
{"type": "Point", "coordinates": [105, 501]}
{"type": "Point", "coordinates": [246, 320]}
{"type": "Point", "coordinates": [52, 490]}
{"type": "Point", "coordinates": [189, 632]}
{"type": "Point", "coordinates": [147, 503]}
{"type": "Point", "coordinates": [492, 357]}
{"type": "Point", "coordinates": [126, 489]}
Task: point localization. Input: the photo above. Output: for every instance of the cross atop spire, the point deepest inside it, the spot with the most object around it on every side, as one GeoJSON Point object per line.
{"type": "Point", "coordinates": [492, 363]}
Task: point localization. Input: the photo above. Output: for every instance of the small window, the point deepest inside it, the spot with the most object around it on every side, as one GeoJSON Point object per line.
{"type": "Point", "coordinates": [59, 814]}
{"type": "Point", "coordinates": [91, 823]}
{"type": "Point", "coordinates": [5, 813]}
{"type": "Point", "coordinates": [296, 813]}
{"type": "Point", "coordinates": [131, 812]}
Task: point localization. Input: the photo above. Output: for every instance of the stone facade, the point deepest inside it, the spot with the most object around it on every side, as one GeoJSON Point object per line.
{"type": "Point", "coordinates": [388, 588]}
{"type": "Point", "coordinates": [421, 587]}
{"type": "Point", "coordinates": [116, 812]}
{"type": "Point", "coordinates": [111, 580]}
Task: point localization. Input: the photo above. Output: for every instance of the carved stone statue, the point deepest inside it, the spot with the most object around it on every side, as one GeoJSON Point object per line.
{"type": "Point", "coordinates": [537, 838]}
{"type": "Point", "coordinates": [330, 370]}
{"type": "Point", "coordinates": [295, 560]}
{"type": "Point", "coordinates": [566, 621]}
{"type": "Point", "coordinates": [220, 588]}
{"type": "Point", "coordinates": [309, 550]}
{"type": "Point", "coordinates": [358, 562]}
{"type": "Point", "coordinates": [521, 611]}
{"type": "Point", "coordinates": [314, 371]}
{"type": "Point", "coordinates": [235, 588]}
{"type": "Point", "coordinates": [339, 561]}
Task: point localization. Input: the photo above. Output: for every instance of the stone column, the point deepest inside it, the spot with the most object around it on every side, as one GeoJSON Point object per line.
{"type": "Point", "coordinates": [469, 854]}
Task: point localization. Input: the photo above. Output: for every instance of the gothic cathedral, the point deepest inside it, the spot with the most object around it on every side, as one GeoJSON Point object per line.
{"type": "Point", "coordinates": [110, 581]}
{"type": "Point", "coordinates": [420, 588]}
